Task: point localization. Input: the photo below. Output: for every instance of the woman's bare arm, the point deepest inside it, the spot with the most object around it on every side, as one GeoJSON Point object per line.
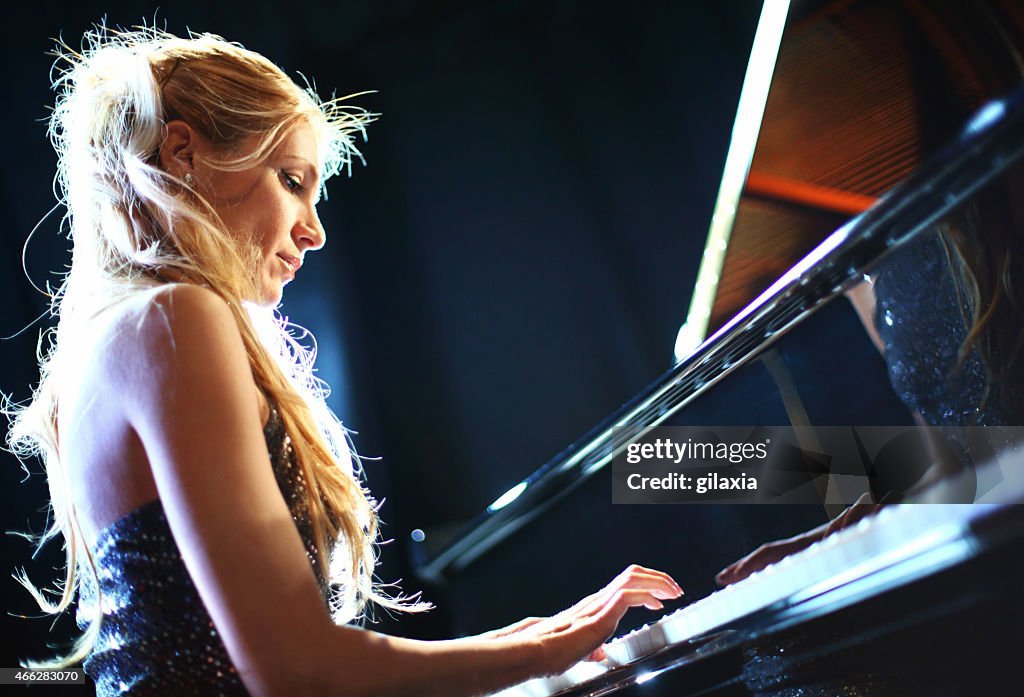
{"type": "Point", "coordinates": [188, 392]}
{"type": "Point", "coordinates": [862, 297]}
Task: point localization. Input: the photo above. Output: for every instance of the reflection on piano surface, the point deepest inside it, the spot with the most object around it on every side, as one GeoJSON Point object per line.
{"type": "Point", "coordinates": [920, 600]}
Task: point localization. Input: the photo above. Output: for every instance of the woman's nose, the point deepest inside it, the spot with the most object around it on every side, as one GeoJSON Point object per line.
{"type": "Point", "coordinates": [309, 232]}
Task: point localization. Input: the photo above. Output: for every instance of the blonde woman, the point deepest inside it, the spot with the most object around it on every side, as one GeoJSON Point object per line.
{"type": "Point", "coordinates": [217, 533]}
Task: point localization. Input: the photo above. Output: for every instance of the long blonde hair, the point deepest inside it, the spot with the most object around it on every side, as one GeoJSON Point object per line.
{"type": "Point", "coordinates": [135, 227]}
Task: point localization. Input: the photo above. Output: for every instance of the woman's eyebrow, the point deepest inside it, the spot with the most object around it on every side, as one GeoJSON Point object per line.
{"type": "Point", "coordinates": [309, 165]}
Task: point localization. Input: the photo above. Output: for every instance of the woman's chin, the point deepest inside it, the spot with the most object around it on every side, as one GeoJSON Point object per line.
{"type": "Point", "coordinates": [270, 297]}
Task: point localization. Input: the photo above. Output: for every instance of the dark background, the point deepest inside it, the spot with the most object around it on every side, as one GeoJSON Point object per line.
{"type": "Point", "coordinates": [513, 263]}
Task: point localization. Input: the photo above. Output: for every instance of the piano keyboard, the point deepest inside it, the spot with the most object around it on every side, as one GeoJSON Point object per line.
{"type": "Point", "coordinates": [895, 546]}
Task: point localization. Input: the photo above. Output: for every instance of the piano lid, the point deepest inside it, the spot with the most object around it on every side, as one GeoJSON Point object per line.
{"type": "Point", "coordinates": [855, 93]}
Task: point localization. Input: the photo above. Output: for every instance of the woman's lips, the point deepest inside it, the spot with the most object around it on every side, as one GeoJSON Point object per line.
{"type": "Point", "coordinates": [293, 262]}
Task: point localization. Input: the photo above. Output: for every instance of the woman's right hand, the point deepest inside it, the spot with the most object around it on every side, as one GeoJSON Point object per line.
{"type": "Point", "coordinates": [771, 552]}
{"type": "Point", "coordinates": [578, 632]}
{"type": "Point", "coordinates": [766, 555]}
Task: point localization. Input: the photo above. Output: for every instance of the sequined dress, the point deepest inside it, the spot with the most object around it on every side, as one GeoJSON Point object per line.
{"type": "Point", "coordinates": [922, 321]}
{"type": "Point", "coordinates": [156, 637]}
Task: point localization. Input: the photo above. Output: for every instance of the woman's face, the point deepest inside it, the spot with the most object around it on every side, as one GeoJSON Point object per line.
{"type": "Point", "coordinates": [272, 208]}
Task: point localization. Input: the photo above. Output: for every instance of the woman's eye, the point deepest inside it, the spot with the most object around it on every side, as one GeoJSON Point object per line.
{"type": "Point", "coordinates": [291, 183]}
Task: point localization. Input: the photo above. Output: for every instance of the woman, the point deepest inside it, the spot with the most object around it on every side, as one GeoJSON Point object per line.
{"type": "Point", "coordinates": [211, 559]}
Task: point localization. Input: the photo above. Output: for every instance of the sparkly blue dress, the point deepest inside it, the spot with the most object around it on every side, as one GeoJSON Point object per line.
{"type": "Point", "coordinates": [922, 321]}
{"type": "Point", "coordinates": [156, 637]}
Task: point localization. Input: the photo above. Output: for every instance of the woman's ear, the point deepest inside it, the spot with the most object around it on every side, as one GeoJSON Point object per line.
{"type": "Point", "coordinates": [178, 148]}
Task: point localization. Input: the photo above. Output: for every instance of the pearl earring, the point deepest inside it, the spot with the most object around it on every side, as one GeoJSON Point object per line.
{"type": "Point", "coordinates": [188, 179]}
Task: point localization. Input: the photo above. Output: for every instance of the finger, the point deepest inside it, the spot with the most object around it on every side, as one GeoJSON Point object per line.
{"type": "Point", "coordinates": [724, 577]}
{"type": "Point", "coordinates": [834, 526]}
{"type": "Point", "coordinates": [628, 597]}
{"type": "Point", "coordinates": [641, 571]}
{"type": "Point", "coordinates": [658, 584]}
{"type": "Point", "coordinates": [735, 571]}
{"type": "Point", "coordinates": [867, 513]}
{"type": "Point", "coordinates": [745, 569]}
{"type": "Point", "coordinates": [616, 604]}
{"type": "Point", "coordinates": [604, 617]}
{"type": "Point", "coordinates": [759, 559]}
{"type": "Point", "coordinates": [653, 586]}
{"type": "Point", "coordinates": [636, 576]}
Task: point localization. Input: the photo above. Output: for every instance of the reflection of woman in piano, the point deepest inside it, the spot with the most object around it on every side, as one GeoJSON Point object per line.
{"type": "Point", "coordinates": [947, 313]}
{"type": "Point", "coordinates": [211, 512]}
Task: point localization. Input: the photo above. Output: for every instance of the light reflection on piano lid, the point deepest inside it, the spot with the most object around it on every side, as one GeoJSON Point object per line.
{"type": "Point", "coordinates": [508, 497]}
{"type": "Point", "coordinates": [647, 677]}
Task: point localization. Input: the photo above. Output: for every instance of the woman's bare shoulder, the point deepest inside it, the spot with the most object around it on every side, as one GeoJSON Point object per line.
{"type": "Point", "coordinates": [143, 334]}
{"type": "Point", "coordinates": [166, 340]}
{"type": "Point", "coordinates": [162, 310]}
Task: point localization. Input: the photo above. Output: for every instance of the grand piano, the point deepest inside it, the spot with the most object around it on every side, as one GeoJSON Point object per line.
{"type": "Point", "coordinates": [921, 599]}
